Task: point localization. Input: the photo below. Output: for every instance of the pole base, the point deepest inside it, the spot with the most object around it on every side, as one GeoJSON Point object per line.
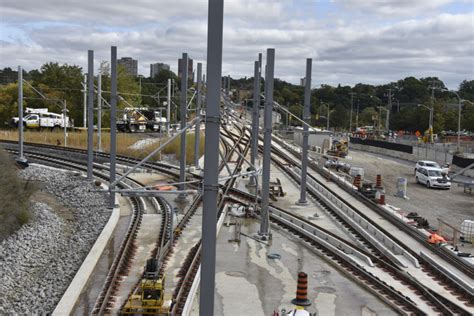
{"type": "Point", "coordinates": [302, 203]}
{"type": "Point", "coordinates": [298, 302]}
{"type": "Point", "coordinates": [181, 198]}
{"type": "Point", "coordinates": [264, 236]}
{"type": "Point", "coordinates": [22, 162]}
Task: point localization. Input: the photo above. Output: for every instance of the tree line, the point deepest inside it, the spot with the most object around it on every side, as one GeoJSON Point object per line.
{"type": "Point", "coordinates": [368, 102]}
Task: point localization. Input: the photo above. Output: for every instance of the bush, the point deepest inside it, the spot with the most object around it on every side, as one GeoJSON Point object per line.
{"type": "Point", "coordinates": [15, 196]}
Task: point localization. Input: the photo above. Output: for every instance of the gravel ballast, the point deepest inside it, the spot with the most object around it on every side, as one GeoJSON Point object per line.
{"type": "Point", "coordinates": [38, 262]}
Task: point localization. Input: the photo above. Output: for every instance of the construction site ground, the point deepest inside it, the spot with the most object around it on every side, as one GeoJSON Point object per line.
{"type": "Point", "coordinates": [452, 206]}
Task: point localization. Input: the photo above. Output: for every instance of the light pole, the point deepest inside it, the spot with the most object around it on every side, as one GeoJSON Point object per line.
{"type": "Point", "coordinates": [460, 101]}
{"type": "Point", "coordinates": [380, 111]}
{"type": "Point", "coordinates": [430, 124]}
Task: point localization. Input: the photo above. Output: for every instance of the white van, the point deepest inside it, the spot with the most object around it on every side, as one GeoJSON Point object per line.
{"type": "Point", "coordinates": [432, 177]}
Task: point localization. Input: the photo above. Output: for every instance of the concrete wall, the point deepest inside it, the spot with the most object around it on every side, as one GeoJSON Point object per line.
{"type": "Point", "coordinates": [418, 153]}
{"type": "Point", "coordinates": [314, 139]}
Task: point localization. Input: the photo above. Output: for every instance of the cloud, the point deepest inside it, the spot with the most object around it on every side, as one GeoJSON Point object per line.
{"type": "Point", "coordinates": [345, 51]}
{"type": "Point", "coordinates": [393, 7]}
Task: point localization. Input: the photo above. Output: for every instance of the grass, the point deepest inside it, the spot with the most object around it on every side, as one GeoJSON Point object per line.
{"type": "Point", "coordinates": [124, 141]}
{"type": "Point", "coordinates": [15, 194]}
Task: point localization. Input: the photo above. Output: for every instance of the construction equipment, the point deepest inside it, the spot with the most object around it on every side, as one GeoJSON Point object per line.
{"type": "Point", "coordinates": [339, 148]}
{"type": "Point", "coordinates": [140, 119]}
{"type": "Point", "coordinates": [149, 296]}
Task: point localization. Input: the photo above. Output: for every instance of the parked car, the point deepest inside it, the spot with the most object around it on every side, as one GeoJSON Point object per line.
{"type": "Point", "coordinates": [431, 164]}
{"type": "Point", "coordinates": [432, 177]}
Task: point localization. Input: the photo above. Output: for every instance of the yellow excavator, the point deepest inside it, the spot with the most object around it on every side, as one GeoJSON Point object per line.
{"type": "Point", "coordinates": [149, 297]}
{"type": "Point", "coordinates": [339, 148]}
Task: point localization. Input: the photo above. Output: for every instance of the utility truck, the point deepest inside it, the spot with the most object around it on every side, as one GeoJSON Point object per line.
{"type": "Point", "coordinates": [42, 118]}
{"type": "Point", "coordinates": [140, 120]}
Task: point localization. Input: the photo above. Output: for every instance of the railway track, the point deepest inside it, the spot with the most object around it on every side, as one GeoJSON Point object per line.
{"type": "Point", "coordinates": [405, 303]}
{"type": "Point", "coordinates": [464, 301]}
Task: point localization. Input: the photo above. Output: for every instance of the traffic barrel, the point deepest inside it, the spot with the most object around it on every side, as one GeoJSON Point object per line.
{"type": "Point", "coordinates": [302, 291]}
{"type": "Point", "coordinates": [382, 199]}
{"type": "Point", "coordinates": [357, 181]}
{"type": "Point", "coordinates": [378, 181]}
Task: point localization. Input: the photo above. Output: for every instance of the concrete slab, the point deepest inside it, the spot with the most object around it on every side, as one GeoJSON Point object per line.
{"type": "Point", "coordinates": [247, 282]}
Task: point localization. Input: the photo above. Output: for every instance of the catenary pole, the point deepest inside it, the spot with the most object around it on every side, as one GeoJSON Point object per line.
{"type": "Point", "coordinates": [264, 231]}
{"type": "Point", "coordinates": [183, 108]}
{"type": "Point", "coordinates": [90, 114]}
{"type": "Point", "coordinates": [113, 123]}
{"type": "Point", "coordinates": [99, 110]}
{"type": "Point", "coordinates": [21, 157]}
{"type": "Point", "coordinates": [255, 112]}
{"type": "Point", "coordinates": [198, 113]}
{"type": "Point", "coordinates": [85, 101]}
{"type": "Point", "coordinates": [211, 158]}
{"type": "Point", "coordinates": [306, 118]}
{"type": "Point", "coordinates": [168, 107]}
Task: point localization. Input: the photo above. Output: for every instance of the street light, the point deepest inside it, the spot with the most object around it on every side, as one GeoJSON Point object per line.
{"type": "Point", "coordinates": [327, 117]}
{"type": "Point", "coordinates": [380, 111]}
{"type": "Point", "coordinates": [430, 123]}
{"type": "Point", "coordinates": [460, 101]}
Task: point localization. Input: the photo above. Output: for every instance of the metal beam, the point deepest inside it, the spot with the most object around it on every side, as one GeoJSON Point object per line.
{"type": "Point", "coordinates": [198, 113]}
{"type": "Point", "coordinates": [264, 231]}
{"type": "Point", "coordinates": [183, 107]}
{"type": "Point", "coordinates": [84, 83]}
{"type": "Point", "coordinates": [255, 115]}
{"type": "Point", "coordinates": [306, 118]}
{"type": "Point", "coordinates": [168, 107]}
{"type": "Point", "coordinates": [99, 110]}
{"type": "Point", "coordinates": [21, 157]}
{"type": "Point", "coordinates": [154, 152]}
{"type": "Point", "coordinates": [90, 114]}
{"type": "Point", "coordinates": [211, 160]}
{"type": "Point", "coordinates": [113, 122]}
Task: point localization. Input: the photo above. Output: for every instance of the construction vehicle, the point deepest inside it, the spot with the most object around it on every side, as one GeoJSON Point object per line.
{"type": "Point", "coordinates": [42, 118]}
{"type": "Point", "coordinates": [338, 148]}
{"type": "Point", "coordinates": [149, 297]}
{"type": "Point", "coordinates": [140, 120]}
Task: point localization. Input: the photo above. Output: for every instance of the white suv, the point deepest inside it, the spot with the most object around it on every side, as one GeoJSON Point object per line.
{"type": "Point", "coordinates": [432, 178]}
{"type": "Point", "coordinates": [431, 164]}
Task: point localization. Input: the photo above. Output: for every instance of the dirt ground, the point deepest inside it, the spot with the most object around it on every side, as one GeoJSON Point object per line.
{"type": "Point", "coordinates": [452, 206]}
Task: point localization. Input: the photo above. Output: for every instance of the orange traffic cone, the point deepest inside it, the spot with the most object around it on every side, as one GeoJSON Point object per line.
{"type": "Point", "coordinates": [302, 291]}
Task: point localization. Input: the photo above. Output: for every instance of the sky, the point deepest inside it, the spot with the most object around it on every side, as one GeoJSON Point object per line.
{"type": "Point", "coordinates": [350, 41]}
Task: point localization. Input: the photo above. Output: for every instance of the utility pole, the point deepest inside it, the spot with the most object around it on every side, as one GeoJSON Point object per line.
{"type": "Point", "coordinates": [433, 88]}
{"type": "Point", "coordinates": [327, 120]}
{"type": "Point", "coordinates": [387, 118]}
{"type": "Point", "coordinates": [99, 110]}
{"type": "Point", "coordinates": [85, 101]}
{"type": "Point", "coordinates": [306, 118]}
{"type": "Point", "coordinates": [264, 231]}
{"type": "Point", "coordinates": [352, 106]}
{"type": "Point", "coordinates": [357, 114]}
{"type": "Point", "coordinates": [183, 106]}
{"type": "Point", "coordinates": [168, 108]}
{"type": "Point", "coordinates": [211, 160]}
{"type": "Point", "coordinates": [65, 122]}
{"type": "Point", "coordinates": [255, 112]}
{"type": "Point", "coordinates": [90, 115]}
{"type": "Point", "coordinates": [113, 122]}
{"type": "Point", "coordinates": [228, 85]}
{"type": "Point", "coordinates": [198, 113]}
{"type": "Point", "coordinates": [21, 157]}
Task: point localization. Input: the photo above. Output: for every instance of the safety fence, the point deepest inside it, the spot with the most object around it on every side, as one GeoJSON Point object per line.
{"type": "Point", "coordinates": [382, 144]}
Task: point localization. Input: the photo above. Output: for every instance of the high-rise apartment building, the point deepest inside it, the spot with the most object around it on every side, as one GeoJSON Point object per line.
{"type": "Point", "coordinates": [131, 65]}
{"type": "Point", "coordinates": [156, 68]}
{"type": "Point", "coordinates": [190, 69]}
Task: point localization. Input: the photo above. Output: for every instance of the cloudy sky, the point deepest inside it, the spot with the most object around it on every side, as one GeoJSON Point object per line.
{"type": "Point", "coordinates": [350, 41]}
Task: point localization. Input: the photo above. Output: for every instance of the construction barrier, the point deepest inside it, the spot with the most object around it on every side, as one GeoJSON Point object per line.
{"type": "Point", "coordinates": [382, 144]}
{"type": "Point", "coordinates": [462, 161]}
